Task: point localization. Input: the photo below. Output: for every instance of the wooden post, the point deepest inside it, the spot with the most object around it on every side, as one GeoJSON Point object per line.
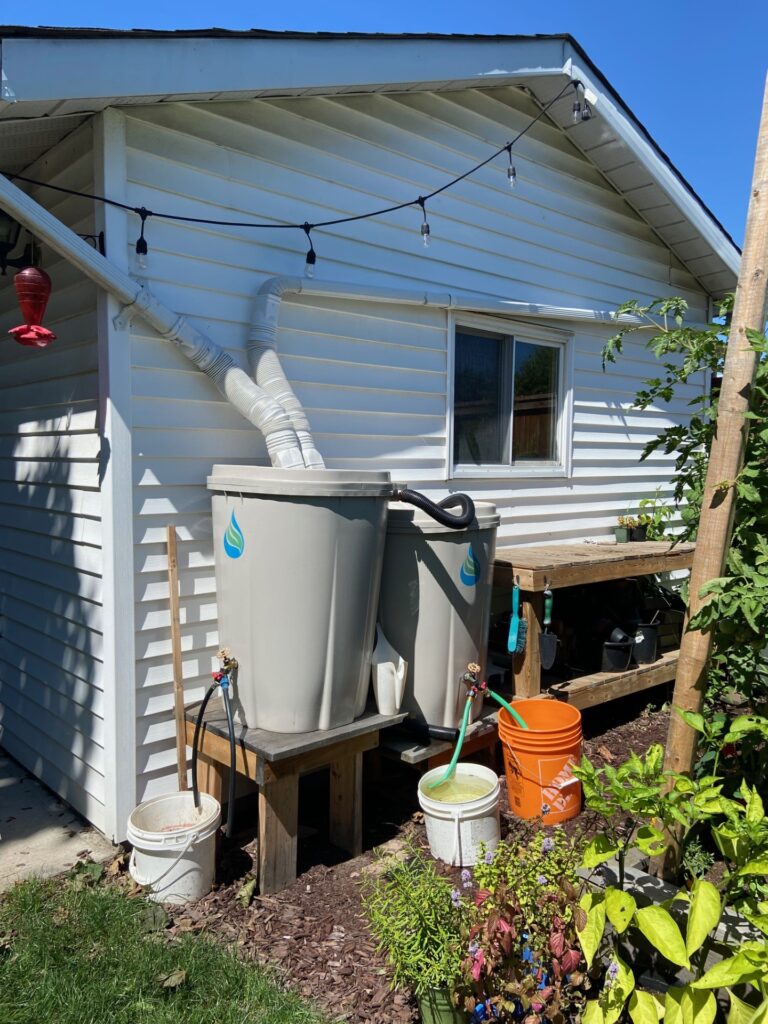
{"type": "Point", "coordinates": [178, 674]}
{"type": "Point", "coordinates": [725, 460]}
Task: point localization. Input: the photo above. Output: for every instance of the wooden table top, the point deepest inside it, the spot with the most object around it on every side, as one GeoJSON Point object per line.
{"type": "Point", "coordinates": [567, 565]}
{"type": "Point", "coordinates": [279, 746]}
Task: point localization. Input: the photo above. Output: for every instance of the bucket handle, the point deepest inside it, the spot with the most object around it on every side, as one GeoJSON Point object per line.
{"type": "Point", "coordinates": [150, 884]}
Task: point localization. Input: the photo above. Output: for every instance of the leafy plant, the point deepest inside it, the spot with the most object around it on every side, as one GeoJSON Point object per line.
{"type": "Point", "coordinates": [523, 957]}
{"type": "Point", "coordinates": [737, 613]}
{"type": "Point", "coordinates": [655, 515]}
{"type": "Point", "coordinates": [630, 799]}
{"type": "Point", "coordinates": [696, 860]}
{"type": "Point", "coordinates": [414, 914]}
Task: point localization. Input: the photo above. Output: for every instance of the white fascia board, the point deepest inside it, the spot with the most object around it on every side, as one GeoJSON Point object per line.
{"type": "Point", "coordinates": [66, 69]}
{"type": "Point", "coordinates": [625, 129]}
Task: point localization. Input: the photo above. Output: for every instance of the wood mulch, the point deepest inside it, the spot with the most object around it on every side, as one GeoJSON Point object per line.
{"type": "Point", "coordinates": [314, 933]}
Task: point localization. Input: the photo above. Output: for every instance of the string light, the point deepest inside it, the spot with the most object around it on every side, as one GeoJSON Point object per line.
{"type": "Point", "coordinates": [311, 260]}
{"type": "Point", "coordinates": [425, 223]}
{"type": "Point", "coordinates": [580, 112]}
{"type": "Point", "coordinates": [511, 170]}
{"type": "Point", "coordinates": [142, 249]}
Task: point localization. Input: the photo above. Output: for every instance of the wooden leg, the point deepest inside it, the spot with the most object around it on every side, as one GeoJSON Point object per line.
{"type": "Point", "coordinates": [527, 668]}
{"type": "Point", "coordinates": [210, 776]}
{"type": "Point", "coordinates": [278, 827]}
{"type": "Point", "coordinates": [346, 812]}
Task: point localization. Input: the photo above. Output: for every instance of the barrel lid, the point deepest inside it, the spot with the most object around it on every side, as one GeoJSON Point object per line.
{"type": "Point", "coordinates": [318, 483]}
{"type": "Point", "coordinates": [405, 518]}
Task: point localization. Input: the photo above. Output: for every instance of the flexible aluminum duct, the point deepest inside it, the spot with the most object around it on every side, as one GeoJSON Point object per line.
{"type": "Point", "coordinates": [255, 404]}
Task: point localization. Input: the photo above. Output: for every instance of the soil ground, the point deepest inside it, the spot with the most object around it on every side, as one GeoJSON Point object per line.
{"type": "Point", "coordinates": [314, 932]}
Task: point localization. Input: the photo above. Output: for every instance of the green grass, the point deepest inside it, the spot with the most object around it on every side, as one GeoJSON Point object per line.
{"type": "Point", "coordinates": [91, 956]}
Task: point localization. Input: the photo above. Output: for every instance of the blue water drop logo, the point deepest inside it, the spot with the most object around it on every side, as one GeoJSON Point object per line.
{"type": "Point", "coordinates": [470, 570]}
{"type": "Point", "coordinates": [234, 542]}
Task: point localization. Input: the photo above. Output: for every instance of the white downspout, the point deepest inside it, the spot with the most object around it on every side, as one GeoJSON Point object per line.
{"type": "Point", "coordinates": [255, 404]}
{"type": "Point", "coordinates": [265, 365]}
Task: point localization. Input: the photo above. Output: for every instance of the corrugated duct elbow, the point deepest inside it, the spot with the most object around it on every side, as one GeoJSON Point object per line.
{"type": "Point", "coordinates": [265, 364]}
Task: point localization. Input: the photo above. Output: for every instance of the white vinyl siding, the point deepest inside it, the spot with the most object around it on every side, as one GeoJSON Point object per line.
{"type": "Point", "coordinates": [51, 686]}
{"type": "Point", "coordinates": [374, 376]}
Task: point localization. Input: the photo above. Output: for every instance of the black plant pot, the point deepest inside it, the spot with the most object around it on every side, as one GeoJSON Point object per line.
{"type": "Point", "coordinates": [638, 533]}
{"type": "Point", "coordinates": [646, 648]}
{"type": "Point", "coordinates": [616, 657]}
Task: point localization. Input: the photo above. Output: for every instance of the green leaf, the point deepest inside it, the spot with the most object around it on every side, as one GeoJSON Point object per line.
{"type": "Point", "coordinates": [590, 935]}
{"type": "Point", "coordinates": [739, 1012]}
{"type": "Point", "coordinates": [755, 867]}
{"type": "Point", "coordinates": [614, 996]}
{"type": "Point", "coordinates": [620, 907]}
{"type": "Point", "coordinates": [644, 1008]}
{"type": "Point", "coordinates": [703, 915]}
{"type": "Point", "coordinates": [598, 850]}
{"type": "Point", "coordinates": [658, 926]}
{"type": "Point", "coordinates": [692, 718]}
{"type": "Point", "coordinates": [732, 971]}
{"type": "Point", "coordinates": [673, 1011]}
{"type": "Point", "coordinates": [755, 812]}
{"type": "Point", "coordinates": [593, 1013]}
{"type": "Point", "coordinates": [650, 840]}
{"type": "Point", "coordinates": [730, 843]}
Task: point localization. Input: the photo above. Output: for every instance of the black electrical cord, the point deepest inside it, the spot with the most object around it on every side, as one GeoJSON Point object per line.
{"type": "Point", "coordinates": [437, 510]}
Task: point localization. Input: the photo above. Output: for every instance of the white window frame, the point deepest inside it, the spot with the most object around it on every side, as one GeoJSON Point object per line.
{"type": "Point", "coordinates": [520, 330]}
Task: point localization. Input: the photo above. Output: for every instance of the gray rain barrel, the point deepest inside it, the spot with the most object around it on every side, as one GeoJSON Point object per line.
{"type": "Point", "coordinates": [435, 605]}
{"type": "Point", "coordinates": [298, 565]}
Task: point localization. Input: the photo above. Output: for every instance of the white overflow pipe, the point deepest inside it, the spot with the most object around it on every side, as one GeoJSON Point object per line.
{"type": "Point", "coordinates": [252, 401]}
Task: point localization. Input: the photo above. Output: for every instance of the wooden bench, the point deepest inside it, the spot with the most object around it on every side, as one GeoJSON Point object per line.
{"type": "Point", "coordinates": [570, 565]}
{"type": "Point", "coordinates": [275, 761]}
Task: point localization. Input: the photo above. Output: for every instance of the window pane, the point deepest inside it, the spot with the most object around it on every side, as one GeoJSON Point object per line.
{"type": "Point", "coordinates": [478, 424]}
{"type": "Point", "coordinates": [534, 416]}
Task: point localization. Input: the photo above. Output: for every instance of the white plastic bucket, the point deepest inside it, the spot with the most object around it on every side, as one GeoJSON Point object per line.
{"type": "Point", "coordinates": [174, 846]}
{"type": "Point", "coordinates": [455, 831]}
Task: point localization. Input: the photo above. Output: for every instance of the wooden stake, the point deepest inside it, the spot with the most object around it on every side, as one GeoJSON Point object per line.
{"type": "Point", "coordinates": [725, 462]}
{"type": "Point", "coordinates": [178, 674]}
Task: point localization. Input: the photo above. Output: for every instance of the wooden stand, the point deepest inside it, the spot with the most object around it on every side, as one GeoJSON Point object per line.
{"type": "Point", "coordinates": [570, 565]}
{"type": "Point", "coordinates": [275, 761]}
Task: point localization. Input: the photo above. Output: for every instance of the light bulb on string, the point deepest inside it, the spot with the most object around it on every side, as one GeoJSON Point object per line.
{"type": "Point", "coordinates": [425, 232]}
{"type": "Point", "coordinates": [142, 249]}
{"type": "Point", "coordinates": [511, 169]}
{"type": "Point", "coordinates": [586, 111]}
{"type": "Point", "coordinates": [576, 112]}
{"type": "Point", "coordinates": [311, 260]}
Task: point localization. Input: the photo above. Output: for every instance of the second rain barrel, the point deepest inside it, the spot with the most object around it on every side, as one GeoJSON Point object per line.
{"type": "Point", "coordinates": [435, 606]}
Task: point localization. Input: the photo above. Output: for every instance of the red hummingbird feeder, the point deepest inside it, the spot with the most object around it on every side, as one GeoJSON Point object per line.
{"type": "Point", "coordinates": [33, 288]}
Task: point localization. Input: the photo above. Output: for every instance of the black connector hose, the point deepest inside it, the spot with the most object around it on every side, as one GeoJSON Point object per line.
{"type": "Point", "coordinates": [225, 686]}
{"type": "Point", "coordinates": [196, 741]}
{"type": "Point", "coordinates": [232, 761]}
{"type": "Point", "coordinates": [438, 509]}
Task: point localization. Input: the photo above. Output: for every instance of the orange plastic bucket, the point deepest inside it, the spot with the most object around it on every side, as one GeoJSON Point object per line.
{"type": "Point", "coordinates": [538, 761]}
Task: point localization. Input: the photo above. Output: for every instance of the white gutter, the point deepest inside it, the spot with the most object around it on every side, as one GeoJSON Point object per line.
{"type": "Point", "coordinates": [258, 407]}
{"type": "Point", "coordinates": [266, 312]}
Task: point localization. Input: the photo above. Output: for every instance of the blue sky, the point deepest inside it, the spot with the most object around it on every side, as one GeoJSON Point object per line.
{"type": "Point", "coordinates": [691, 70]}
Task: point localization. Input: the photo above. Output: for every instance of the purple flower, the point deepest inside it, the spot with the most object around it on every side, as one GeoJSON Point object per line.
{"type": "Point", "coordinates": [456, 898]}
{"type": "Point", "coordinates": [542, 880]}
{"type": "Point", "coordinates": [548, 845]}
{"type": "Point", "coordinates": [489, 857]}
{"type": "Point", "coordinates": [466, 878]}
{"type": "Point", "coordinates": [611, 973]}
{"type": "Point", "coordinates": [473, 948]}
